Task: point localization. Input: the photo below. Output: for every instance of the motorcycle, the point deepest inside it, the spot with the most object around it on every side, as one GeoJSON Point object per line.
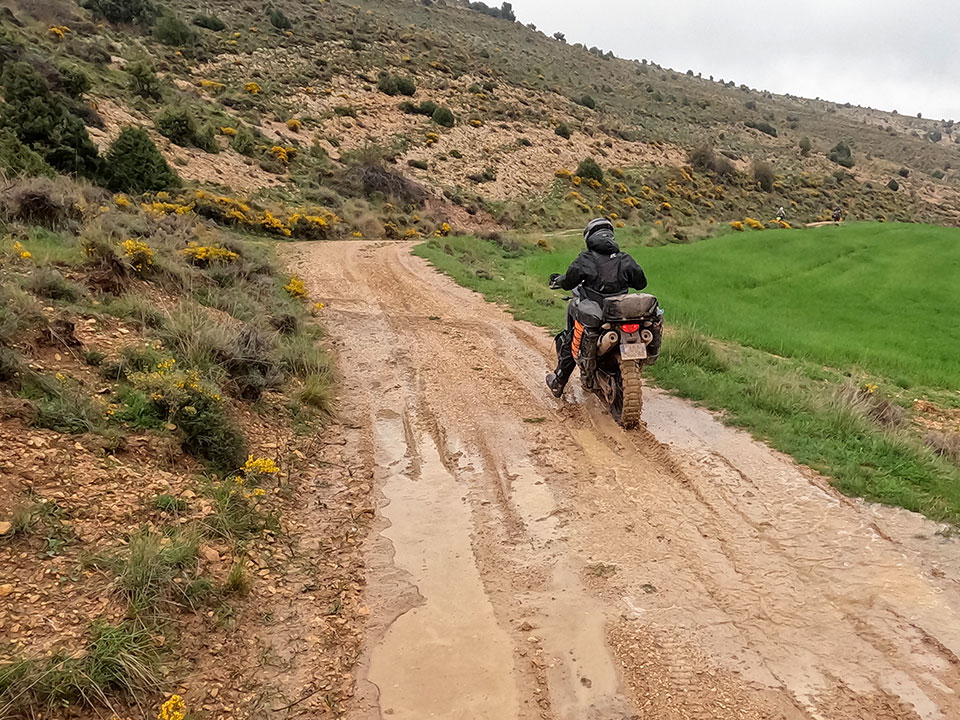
{"type": "Point", "coordinates": [627, 330]}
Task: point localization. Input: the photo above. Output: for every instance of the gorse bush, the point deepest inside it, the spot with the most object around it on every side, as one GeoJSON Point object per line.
{"type": "Point", "coordinates": [805, 146]}
{"type": "Point", "coordinates": [587, 101]}
{"type": "Point", "coordinates": [396, 85]}
{"type": "Point", "coordinates": [133, 164]}
{"type": "Point", "coordinates": [563, 131]}
{"type": "Point", "coordinates": [41, 120]}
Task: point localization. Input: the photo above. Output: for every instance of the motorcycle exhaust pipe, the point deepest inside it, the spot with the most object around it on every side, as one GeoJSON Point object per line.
{"type": "Point", "coordinates": [607, 342]}
{"type": "Point", "coordinates": [646, 336]}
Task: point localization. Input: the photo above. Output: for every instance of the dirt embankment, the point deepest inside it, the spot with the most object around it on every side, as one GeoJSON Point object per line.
{"type": "Point", "coordinates": [532, 560]}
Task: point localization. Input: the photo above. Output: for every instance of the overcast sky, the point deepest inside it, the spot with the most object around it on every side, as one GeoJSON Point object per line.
{"type": "Point", "coordinates": [886, 54]}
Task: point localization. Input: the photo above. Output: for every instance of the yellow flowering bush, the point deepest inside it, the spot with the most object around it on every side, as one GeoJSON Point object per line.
{"type": "Point", "coordinates": [122, 201]}
{"type": "Point", "coordinates": [443, 230]}
{"type": "Point", "coordinates": [137, 253]}
{"type": "Point", "coordinates": [737, 225]}
{"type": "Point", "coordinates": [212, 85]}
{"type": "Point", "coordinates": [476, 123]}
{"type": "Point", "coordinates": [21, 251]}
{"type": "Point", "coordinates": [58, 31]}
{"type": "Point", "coordinates": [252, 88]}
{"type": "Point", "coordinates": [228, 131]}
{"type": "Point", "coordinates": [296, 287]}
{"type": "Point", "coordinates": [204, 255]}
{"type": "Point", "coordinates": [294, 125]}
{"type": "Point", "coordinates": [173, 709]}
{"type": "Point", "coordinates": [283, 154]}
{"type": "Point", "coordinates": [255, 466]}
{"type": "Point", "coordinates": [563, 173]}
{"type": "Point", "coordinates": [753, 224]}
{"type": "Point", "coordinates": [576, 180]}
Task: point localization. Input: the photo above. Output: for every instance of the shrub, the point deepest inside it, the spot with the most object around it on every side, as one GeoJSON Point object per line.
{"type": "Point", "coordinates": [587, 102]}
{"type": "Point", "coordinates": [244, 141]}
{"type": "Point", "coordinates": [443, 116]}
{"type": "Point", "coordinates": [563, 131]}
{"type": "Point", "coordinates": [396, 85]}
{"type": "Point", "coordinates": [805, 146]}
{"type": "Point", "coordinates": [143, 79]}
{"type": "Point", "coordinates": [589, 169]}
{"type": "Point", "coordinates": [177, 125]}
{"type": "Point", "coordinates": [764, 176]}
{"type": "Point", "coordinates": [893, 185]}
{"type": "Point", "coordinates": [427, 107]}
{"type": "Point", "coordinates": [419, 164]}
{"type": "Point", "coordinates": [278, 19]}
{"type": "Point", "coordinates": [62, 405]}
{"type": "Point", "coordinates": [704, 158]}
{"type": "Point", "coordinates": [141, 12]}
{"type": "Point", "coordinates": [73, 81]}
{"type": "Point", "coordinates": [317, 392]}
{"type": "Point", "coordinates": [842, 155]}
{"type": "Point", "coordinates": [40, 201]}
{"type": "Point", "coordinates": [133, 164]}
{"type": "Point", "coordinates": [937, 174]}
{"type": "Point", "coordinates": [903, 172]}
{"type": "Point", "coordinates": [49, 283]}
{"type": "Point", "coordinates": [762, 126]}
{"type": "Point", "coordinates": [16, 159]}
{"type": "Point", "coordinates": [210, 22]}
{"type": "Point", "coordinates": [196, 409]}
{"type": "Point", "coordinates": [42, 121]}
{"type": "Point", "coordinates": [171, 30]}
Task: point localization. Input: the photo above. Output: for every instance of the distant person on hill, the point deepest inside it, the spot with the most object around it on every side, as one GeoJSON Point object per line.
{"type": "Point", "coordinates": [781, 214]}
{"type": "Point", "coordinates": [837, 215]}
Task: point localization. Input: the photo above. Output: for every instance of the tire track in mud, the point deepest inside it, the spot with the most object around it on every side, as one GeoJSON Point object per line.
{"type": "Point", "coordinates": [741, 585]}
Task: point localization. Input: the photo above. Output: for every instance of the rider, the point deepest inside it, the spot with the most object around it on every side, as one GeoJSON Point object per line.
{"type": "Point", "coordinates": [599, 272]}
{"type": "Point", "coordinates": [781, 214]}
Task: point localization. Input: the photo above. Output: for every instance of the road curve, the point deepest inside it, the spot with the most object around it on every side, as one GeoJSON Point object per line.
{"type": "Point", "coordinates": [533, 560]}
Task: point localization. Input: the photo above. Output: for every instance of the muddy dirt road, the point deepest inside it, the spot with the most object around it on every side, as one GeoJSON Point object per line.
{"type": "Point", "coordinates": [533, 560]}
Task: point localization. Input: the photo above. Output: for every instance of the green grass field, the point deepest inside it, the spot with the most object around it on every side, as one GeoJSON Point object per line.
{"type": "Point", "coordinates": [784, 330]}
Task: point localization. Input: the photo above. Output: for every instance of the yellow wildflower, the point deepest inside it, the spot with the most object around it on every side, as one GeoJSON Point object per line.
{"type": "Point", "coordinates": [737, 225]}
{"type": "Point", "coordinates": [296, 287]}
{"type": "Point", "coordinates": [138, 253]}
{"type": "Point", "coordinates": [252, 88]}
{"type": "Point", "coordinates": [173, 709]}
{"type": "Point", "coordinates": [294, 124]}
{"type": "Point", "coordinates": [260, 466]}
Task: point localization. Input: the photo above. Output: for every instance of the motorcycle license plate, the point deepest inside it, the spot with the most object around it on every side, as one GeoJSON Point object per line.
{"type": "Point", "coordinates": [633, 351]}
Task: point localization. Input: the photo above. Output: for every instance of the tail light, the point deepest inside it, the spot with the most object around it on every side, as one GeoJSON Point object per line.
{"type": "Point", "coordinates": [631, 328]}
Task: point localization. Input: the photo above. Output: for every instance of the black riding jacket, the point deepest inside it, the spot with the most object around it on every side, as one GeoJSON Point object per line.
{"type": "Point", "coordinates": [603, 270]}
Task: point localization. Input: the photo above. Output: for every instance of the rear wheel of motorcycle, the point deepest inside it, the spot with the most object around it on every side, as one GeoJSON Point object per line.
{"type": "Point", "coordinates": [631, 396]}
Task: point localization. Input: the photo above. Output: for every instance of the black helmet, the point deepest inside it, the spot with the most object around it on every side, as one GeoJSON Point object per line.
{"type": "Point", "coordinates": [595, 225]}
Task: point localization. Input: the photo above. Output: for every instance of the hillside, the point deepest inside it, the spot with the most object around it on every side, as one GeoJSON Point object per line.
{"type": "Point", "coordinates": [297, 106]}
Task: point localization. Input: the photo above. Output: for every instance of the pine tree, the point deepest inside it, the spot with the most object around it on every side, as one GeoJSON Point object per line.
{"type": "Point", "coordinates": [44, 123]}
{"type": "Point", "coordinates": [133, 164]}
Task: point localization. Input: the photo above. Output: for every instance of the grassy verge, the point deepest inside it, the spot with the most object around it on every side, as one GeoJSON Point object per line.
{"type": "Point", "coordinates": [818, 342]}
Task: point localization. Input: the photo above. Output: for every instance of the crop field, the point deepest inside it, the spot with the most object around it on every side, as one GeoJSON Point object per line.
{"type": "Point", "coordinates": [834, 344]}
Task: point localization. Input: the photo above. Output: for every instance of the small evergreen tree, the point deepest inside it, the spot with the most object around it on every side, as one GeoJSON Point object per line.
{"type": "Point", "coordinates": [842, 155]}
{"type": "Point", "coordinates": [143, 79]}
{"type": "Point", "coordinates": [142, 12]}
{"type": "Point", "coordinates": [210, 22]}
{"type": "Point", "coordinates": [133, 164]}
{"type": "Point", "coordinates": [171, 30]}
{"type": "Point", "coordinates": [278, 19]}
{"type": "Point", "coordinates": [17, 160]}
{"type": "Point", "coordinates": [589, 169]}
{"type": "Point", "coordinates": [805, 146]}
{"type": "Point", "coordinates": [443, 116]}
{"type": "Point", "coordinates": [42, 121]}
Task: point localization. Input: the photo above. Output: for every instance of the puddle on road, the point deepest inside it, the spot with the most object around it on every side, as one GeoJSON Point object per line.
{"type": "Point", "coordinates": [584, 683]}
{"type": "Point", "coordinates": [446, 658]}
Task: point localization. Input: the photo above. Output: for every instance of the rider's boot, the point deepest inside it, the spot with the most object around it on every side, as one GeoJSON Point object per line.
{"type": "Point", "coordinates": [555, 384]}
